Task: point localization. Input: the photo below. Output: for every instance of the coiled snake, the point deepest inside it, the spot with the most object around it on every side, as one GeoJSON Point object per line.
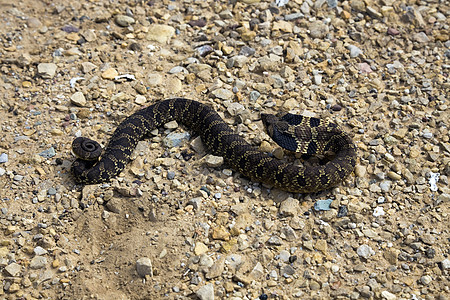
{"type": "Point", "coordinates": [305, 135]}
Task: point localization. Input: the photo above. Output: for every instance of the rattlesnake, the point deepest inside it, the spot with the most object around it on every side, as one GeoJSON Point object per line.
{"type": "Point", "coordinates": [306, 135]}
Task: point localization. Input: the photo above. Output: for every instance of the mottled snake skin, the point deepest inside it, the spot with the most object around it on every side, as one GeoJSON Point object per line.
{"type": "Point", "coordinates": [296, 133]}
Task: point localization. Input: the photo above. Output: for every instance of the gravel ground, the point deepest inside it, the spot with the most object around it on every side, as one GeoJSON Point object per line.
{"type": "Point", "coordinates": [177, 223]}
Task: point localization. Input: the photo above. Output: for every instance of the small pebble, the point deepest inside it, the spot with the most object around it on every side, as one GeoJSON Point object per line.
{"type": "Point", "coordinates": [170, 175]}
{"type": "Point", "coordinates": [426, 279]}
{"type": "Point", "coordinates": [365, 251]}
{"type": "Point", "coordinates": [49, 153]}
{"type": "Point", "coordinates": [223, 94]}
{"type": "Point", "coordinates": [354, 51]}
{"type": "Point", "coordinates": [18, 177]}
{"type": "Point", "coordinates": [176, 139]}
{"type": "Point", "coordinates": [3, 158]}
{"type": "Point", "coordinates": [39, 251]}
{"type": "Point", "coordinates": [123, 20]}
{"type": "Point", "coordinates": [323, 204]}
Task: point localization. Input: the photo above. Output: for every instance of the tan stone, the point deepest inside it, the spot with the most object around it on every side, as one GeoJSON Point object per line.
{"type": "Point", "coordinates": [200, 248]}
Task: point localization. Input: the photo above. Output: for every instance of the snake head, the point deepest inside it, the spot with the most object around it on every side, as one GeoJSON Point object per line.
{"type": "Point", "coordinates": [279, 131]}
{"type": "Point", "coordinates": [269, 121]}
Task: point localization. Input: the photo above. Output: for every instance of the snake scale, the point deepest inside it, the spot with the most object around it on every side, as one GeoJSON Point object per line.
{"type": "Point", "coordinates": [306, 135]}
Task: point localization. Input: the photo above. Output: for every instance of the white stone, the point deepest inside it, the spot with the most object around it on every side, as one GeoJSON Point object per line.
{"type": "Point", "coordinates": [388, 296]}
{"type": "Point", "coordinates": [365, 251]}
{"type": "Point", "coordinates": [140, 99]}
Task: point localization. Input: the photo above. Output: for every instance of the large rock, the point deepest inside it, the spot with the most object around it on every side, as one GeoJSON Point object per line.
{"type": "Point", "coordinates": [144, 266]}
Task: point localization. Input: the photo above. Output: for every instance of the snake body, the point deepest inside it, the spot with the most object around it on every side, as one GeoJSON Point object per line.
{"type": "Point", "coordinates": [306, 135]}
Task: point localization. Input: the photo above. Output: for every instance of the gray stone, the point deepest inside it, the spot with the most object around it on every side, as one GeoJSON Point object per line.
{"type": "Point", "coordinates": [323, 204]}
{"type": "Point", "coordinates": [87, 67]}
{"type": "Point", "coordinates": [144, 267]}
{"type": "Point", "coordinates": [3, 158]}
{"type": "Point", "coordinates": [288, 233]}
{"type": "Point", "coordinates": [196, 202]}
{"type": "Point", "coordinates": [78, 99]}
{"type": "Point", "coordinates": [46, 275]}
{"type": "Point", "coordinates": [223, 94]}
{"type": "Point", "coordinates": [275, 240]}
{"type": "Point", "coordinates": [305, 8]}
{"type": "Point", "coordinates": [365, 251]}
{"type": "Point", "coordinates": [318, 79]}
{"type": "Point", "coordinates": [284, 255]}
{"type": "Point", "coordinates": [354, 51]}
{"type": "Point", "coordinates": [427, 135]}
{"type": "Point", "coordinates": [206, 261]}
{"type": "Point", "coordinates": [426, 279]}
{"type": "Point", "coordinates": [254, 95]}
{"type": "Point", "coordinates": [216, 269]}
{"type": "Point", "coordinates": [446, 264]}
{"type": "Point", "coordinates": [213, 161]}
{"type": "Point", "coordinates": [18, 177]}
{"type": "Point", "coordinates": [38, 262]}
{"type": "Point", "coordinates": [388, 295]}
{"type": "Point", "coordinates": [46, 70]}
{"type": "Point", "coordinates": [40, 251]}
{"type": "Point", "coordinates": [154, 79]}
{"type": "Point", "coordinates": [176, 139]}
{"type": "Point", "coordinates": [288, 270]}
{"type": "Point", "coordinates": [206, 292]}
{"type": "Point", "coordinates": [13, 269]}
{"type": "Point", "coordinates": [332, 3]}
{"type": "Point", "coordinates": [197, 145]}
{"type": "Point", "coordinates": [178, 69]}
{"type": "Point", "coordinates": [385, 186]}
{"type": "Point", "coordinates": [257, 272]}
{"type": "Point", "coordinates": [277, 81]}
{"type": "Point", "coordinates": [294, 16]}
{"type": "Point", "coordinates": [421, 37]}
{"type": "Point", "coordinates": [226, 14]}
{"type": "Point", "coordinates": [234, 261]}
{"type": "Point", "coordinates": [247, 51]}
{"type": "Point", "coordinates": [123, 20]}
{"type": "Point", "coordinates": [373, 12]}
{"type": "Point", "coordinates": [170, 175]}
{"type": "Point", "coordinates": [171, 125]}
{"type": "Point", "coordinates": [289, 207]}
{"type": "Point", "coordinates": [318, 29]}
{"type": "Point", "coordinates": [237, 61]}
{"type": "Point", "coordinates": [49, 153]}
{"type": "Point", "coordinates": [235, 108]}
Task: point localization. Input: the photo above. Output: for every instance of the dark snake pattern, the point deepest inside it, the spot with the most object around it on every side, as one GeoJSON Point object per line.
{"type": "Point", "coordinates": [306, 135]}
